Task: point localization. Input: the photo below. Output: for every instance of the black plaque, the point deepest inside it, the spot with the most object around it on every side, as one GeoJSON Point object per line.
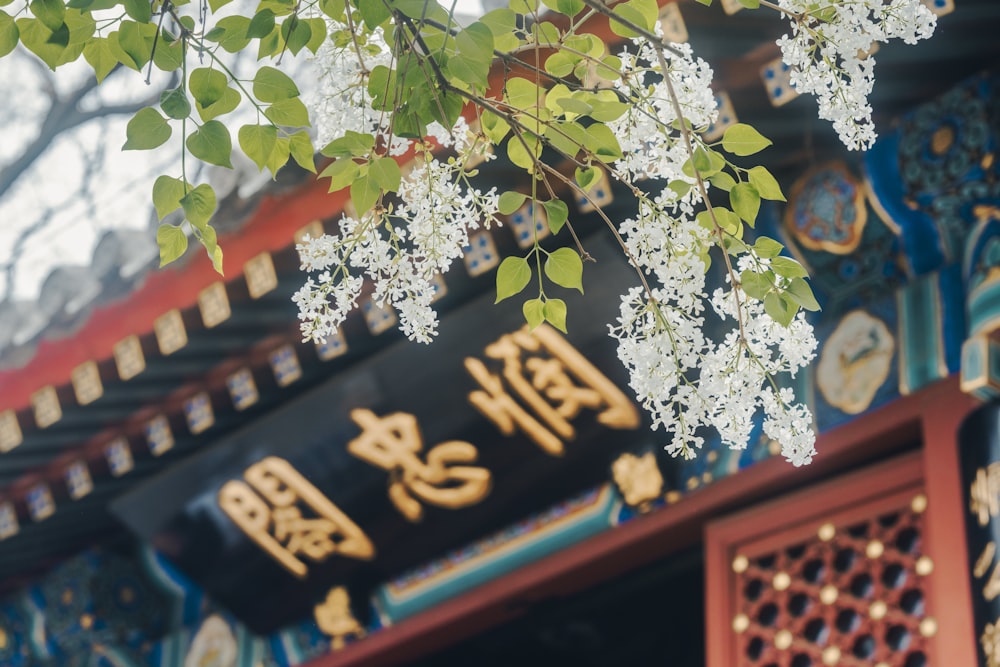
{"type": "Point", "coordinates": [179, 511]}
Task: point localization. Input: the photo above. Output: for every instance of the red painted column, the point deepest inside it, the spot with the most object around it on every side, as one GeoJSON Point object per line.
{"type": "Point", "coordinates": [944, 408]}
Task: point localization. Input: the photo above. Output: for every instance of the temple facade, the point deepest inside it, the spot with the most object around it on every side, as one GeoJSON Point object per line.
{"type": "Point", "coordinates": [183, 482]}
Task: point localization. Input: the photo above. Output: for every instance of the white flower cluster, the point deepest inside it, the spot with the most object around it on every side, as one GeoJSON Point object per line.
{"type": "Point", "coordinates": [687, 381]}
{"type": "Point", "coordinates": [830, 55]}
{"type": "Point", "coordinates": [342, 102]}
{"type": "Point", "coordinates": [652, 147]}
{"type": "Point", "coordinates": [400, 251]}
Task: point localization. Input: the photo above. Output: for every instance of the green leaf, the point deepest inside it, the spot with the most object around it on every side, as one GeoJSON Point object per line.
{"type": "Point", "coordinates": [168, 56]}
{"type": "Point", "coordinates": [472, 72]}
{"type": "Point", "coordinates": [175, 104]}
{"type": "Point", "coordinates": [564, 267]}
{"type": "Point", "coordinates": [557, 212]}
{"type": "Point", "coordinates": [743, 139]}
{"type": "Point", "coordinates": [679, 187]}
{"type": "Point", "coordinates": [745, 202]}
{"type": "Point", "coordinates": [140, 10]}
{"type": "Point", "coordinates": [494, 127]}
{"type": "Point", "coordinates": [499, 21]}
{"type": "Point", "coordinates": [385, 171]}
{"type": "Point", "coordinates": [519, 154]}
{"type": "Point", "coordinates": [217, 260]}
{"type": "Point", "coordinates": [767, 186]}
{"type": "Point", "coordinates": [534, 312]}
{"type": "Point", "coordinates": [301, 148]}
{"type": "Point", "coordinates": [218, 4]}
{"type": "Point", "coordinates": [561, 63]}
{"type": "Point", "coordinates": [261, 25]}
{"type": "Point", "coordinates": [173, 242]}
{"type": "Point", "coordinates": [364, 193]}
{"type": "Point", "coordinates": [781, 310]}
{"type": "Point", "coordinates": [755, 284]}
{"type": "Point", "coordinates": [511, 201]}
{"type": "Point", "coordinates": [526, 7]}
{"type": "Point", "coordinates": [147, 129]}
{"type": "Point", "coordinates": [317, 31]}
{"type": "Point", "coordinates": [235, 37]}
{"type": "Point", "coordinates": [296, 33]}
{"type": "Point", "coordinates": [279, 155]}
{"type": "Point", "coordinates": [8, 34]}
{"type": "Point", "coordinates": [341, 172]}
{"type": "Point", "coordinates": [766, 248]}
{"type": "Point", "coordinates": [802, 294]}
{"type": "Point", "coordinates": [211, 143]}
{"type": "Point", "coordinates": [352, 144]}
{"type": "Point", "coordinates": [289, 113]}
{"type": "Point", "coordinates": [513, 275]}
{"type": "Point", "coordinates": [567, 7]}
{"type": "Point", "coordinates": [207, 85]}
{"type": "Point", "coordinates": [586, 177]}
{"type": "Point", "coordinates": [167, 193]}
{"type": "Point", "coordinates": [257, 141]}
{"type": "Point", "coordinates": [523, 94]}
{"type": "Point", "coordinates": [788, 268]}
{"type": "Point", "coordinates": [270, 45]}
{"type": "Point", "coordinates": [136, 39]}
{"type": "Point", "coordinates": [271, 85]}
{"type": "Point", "coordinates": [643, 13]}
{"type": "Point", "coordinates": [475, 42]}
{"type": "Point", "coordinates": [603, 143]}
{"type": "Point", "coordinates": [555, 313]}
{"type": "Point", "coordinates": [228, 102]}
{"type": "Point", "coordinates": [723, 181]}
{"type": "Point", "coordinates": [374, 12]}
{"type": "Point", "coordinates": [199, 205]}
{"type": "Point", "coordinates": [44, 43]}
{"type": "Point", "coordinates": [750, 4]}
{"type": "Point", "coordinates": [49, 12]}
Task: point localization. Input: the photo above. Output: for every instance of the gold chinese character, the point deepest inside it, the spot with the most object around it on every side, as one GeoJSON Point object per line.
{"type": "Point", "coordinates": [334, 618]}
{"type": "Point", "coordinates": [555, 387]}
{"type": "Point", "coordinates": [990, 640]}
{"type": "Point", "coordinates": [638, 478]}
{"type": "Point", "coordinates": [394, 443]}
{"type": "Point", "coordinates": [266, 508]}
{"type": "Point", "coordinates": [984, 493]}
{"type": "Point", "coordinates": [985, 559]}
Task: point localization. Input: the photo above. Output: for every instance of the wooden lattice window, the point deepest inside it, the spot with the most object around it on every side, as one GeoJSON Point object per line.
{"type": "Point", "coordinates": [837, 575]}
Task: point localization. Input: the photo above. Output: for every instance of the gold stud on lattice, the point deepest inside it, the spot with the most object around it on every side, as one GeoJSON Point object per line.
{"type": "Point", "coordinates": [831, 655]}
{"type": "Point", "coordinates": [740, 564]}
{"type": "Point", "coordinates": [919, 503]}
{"type": "Point", "coordinates": [781, 581]}
{"type": "Point", "coordinates": [883, 664]}
{"type": "Point", "coordinates": [877, 610]}
{"type": "Point", "coordinates": [828, 594]}
{"type": "Point", "coordinates": [672, 497]}
{"type": "Point", "coordinates": [782, 640]}
{"type": "Point", "coordinates": [924, 566]}
{"type": "Point", "coordinates": [928, 627]}
{"type": "Point", "coordinates": [875, 549]}
{"type": "Point", "coordinates": [740, 623]}
{"type": "Point", "coordinates": [827, 531]}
